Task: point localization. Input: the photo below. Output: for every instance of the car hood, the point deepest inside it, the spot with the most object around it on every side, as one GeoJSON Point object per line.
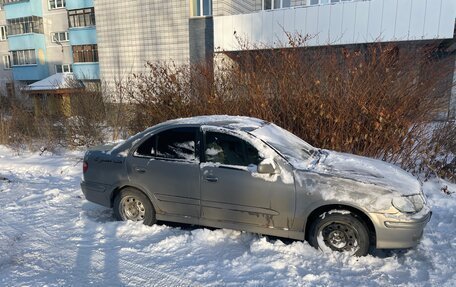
{"type": "Point", "coordinates": [367, 170]}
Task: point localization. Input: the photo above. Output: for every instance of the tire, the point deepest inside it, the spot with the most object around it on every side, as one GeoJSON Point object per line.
{"type": "Point", "coordinates": [132, 204]}
{"type": "Point", "coordinates": [341, 231]}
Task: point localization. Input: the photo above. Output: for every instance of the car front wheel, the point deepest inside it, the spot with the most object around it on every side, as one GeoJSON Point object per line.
{"type": "Point", "coordinates": [132, 204]}
{"type": "Point", "coordinates": [343, 232]}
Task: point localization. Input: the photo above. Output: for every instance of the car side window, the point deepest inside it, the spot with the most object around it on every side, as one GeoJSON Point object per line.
{"type": "Point", "coordinates": [147, 148]}
{"type": "Point", "coordinates": [230, 150]}
{"type": "Point", "coordinates": [178, 143]}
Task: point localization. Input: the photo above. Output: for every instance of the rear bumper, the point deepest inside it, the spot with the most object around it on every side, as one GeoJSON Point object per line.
{"type": "Point", "coordinates": [97, 193]}
{"type": "Point", "coordinates": [394, 233]}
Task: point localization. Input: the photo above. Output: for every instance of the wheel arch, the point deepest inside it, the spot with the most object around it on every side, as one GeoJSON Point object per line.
{"type": "Point", "coordinates": [359, 213]}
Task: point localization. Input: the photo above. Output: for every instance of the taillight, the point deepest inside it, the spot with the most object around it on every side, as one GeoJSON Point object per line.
{"type": "Point", "coordinates": [85, 166]}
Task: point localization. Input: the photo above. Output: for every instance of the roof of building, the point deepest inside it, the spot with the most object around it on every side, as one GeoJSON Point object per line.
{"type": "Point", "coordinates": [57, 81]}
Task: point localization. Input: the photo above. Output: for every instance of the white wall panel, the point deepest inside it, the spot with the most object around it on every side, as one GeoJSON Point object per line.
{"type": "Point", "coordinates": [335, 29]}
{"type": "Point", "coordinates": [324, 18]}
{"type": "Point", "coordinates": [447, 14]}
{"type": "Point", "coordinates": [267, 37]}
{"type": "Point", "coordinates": [256, 27]}
{"type": "Point", "coordinates": [300, 21]}
{"type": "Point", "coordinates": [389, 19]}
{"type": "Point", "coordinates": [417, 19]}
{"type": "Point", "coordinates": [229, 41]}
{"type": "Point", "coordinates": [343, 23]}
{"type": "Point", "coordinates": [289, 22]}
{"type": "Point", "coordinates": [243, 29]}
{"type": "Point", "coordinates": [348, 23]}
{"type": "Point", "coordinates": [374, 31]}
{"type": "Point", "coordinates": [404, 8]}
{"type": "Point", "coordinates": [278, 32]}
{"type": "Point", "coordinates": [218, 39]}
{"type": "Point", "coordinates": [432, 19]}
{"type": "Point", "coordinates": [312, 24]}
{"type": "Point", "coordinates": [361, 22]}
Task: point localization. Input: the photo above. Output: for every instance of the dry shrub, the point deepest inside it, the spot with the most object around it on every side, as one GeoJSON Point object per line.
{"type": "Point", "coordinates": [374, 100]}
{"type": "Point", "coordinates": [32, 122]}
{"type": "Point", "coordinates": [86, 126]}
{"type": "Point", "coordinates": [439, 156]}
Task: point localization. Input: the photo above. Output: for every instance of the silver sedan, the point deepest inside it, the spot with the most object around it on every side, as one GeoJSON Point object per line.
{"type": "Point", "coordinates": [248, 174]}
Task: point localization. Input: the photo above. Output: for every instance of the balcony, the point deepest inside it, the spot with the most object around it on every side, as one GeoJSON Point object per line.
{"type": "Point", "coordinates": [26, 41]}
{"type": "Point", "coordinates": [82, 35]}
{"type": "Point", "coordinates": [78, 4]}
{"type": "Point", "coordinates": [86, 71]}
{"type": "Point", "coordinates": [339, 24]}
{"type": "Point", "coordinates": [30, 72]}
{"type": "Point", "coordinates": [23, 9]}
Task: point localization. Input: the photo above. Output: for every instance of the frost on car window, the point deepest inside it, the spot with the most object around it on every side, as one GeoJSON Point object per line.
{"type": "Point", "coordinates": [290, 146]}
{"type": "Point", "coordinates": [230, 150]}
{"type": "Point", "coordinates": [177, 143]}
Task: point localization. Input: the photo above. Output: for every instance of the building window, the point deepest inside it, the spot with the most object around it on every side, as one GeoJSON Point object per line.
{"type": "Point", "coordinates": [81, 17]}
{"type": "Point", "coordinates": [3, 33]}
{"type": "Point", "coordinates": [23, 57]}
{"type": "Point", "coordinates": [13, 1]}
{"type": "Point", "coordinates": [58, 37]}
{"type": "Point", "coordinates": [85, 53]}
{"type": "Point", "coordinates": [56, 4]}
{"type": "Point", "coordinates": [276, 4]}
{"type": "Point", "coordinates": [31, 24]}
{"type": "Point", "coordinates": [322, 2]}
{"type": "Point", "coordinates": [201, 8]}
{"type": "Point", "coordinates": [6, 62]}
{"type": "Point", "coordinates": [64, 68]}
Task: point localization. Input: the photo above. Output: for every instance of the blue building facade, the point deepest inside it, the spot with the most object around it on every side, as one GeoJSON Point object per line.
{"type": "Point", "coordinates": [83, 39]}
{"type": "Point", "coordinates": [28, 42]}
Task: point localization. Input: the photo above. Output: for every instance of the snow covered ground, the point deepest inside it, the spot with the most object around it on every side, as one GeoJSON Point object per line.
{"type": "Point", "coordinates": [50, 235]}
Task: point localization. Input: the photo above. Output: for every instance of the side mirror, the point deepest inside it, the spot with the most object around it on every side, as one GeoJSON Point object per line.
{"type": "Point", "coordinates": [267, 166]}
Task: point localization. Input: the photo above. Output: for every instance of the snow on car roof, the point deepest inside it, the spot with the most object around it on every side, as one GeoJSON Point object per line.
{"type": "Point", "coordinates": [238, 122]}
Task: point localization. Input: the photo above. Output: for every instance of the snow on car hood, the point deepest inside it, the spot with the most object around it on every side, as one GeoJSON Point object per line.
{"type": "Point", "coordinates": [367, 170]}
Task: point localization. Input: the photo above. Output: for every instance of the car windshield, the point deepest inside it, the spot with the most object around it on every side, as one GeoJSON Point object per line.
{"type": "Point", "coordinates": [290, 146]}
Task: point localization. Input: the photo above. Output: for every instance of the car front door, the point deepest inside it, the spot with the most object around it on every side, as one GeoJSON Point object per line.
{"type": "Point", "coordinates": [167, 165]}
{"type": "Point", "coordinates": [233, 191]}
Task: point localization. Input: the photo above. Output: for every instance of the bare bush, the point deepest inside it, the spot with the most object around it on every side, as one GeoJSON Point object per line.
{"type": "Point", "coordinates": [375, 101]}
{"type": "Point", "coordinates": [87, 123]}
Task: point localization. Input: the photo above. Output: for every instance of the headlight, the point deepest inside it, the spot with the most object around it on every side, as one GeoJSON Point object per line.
{"type": "Point", "coordinates": [408, 204]}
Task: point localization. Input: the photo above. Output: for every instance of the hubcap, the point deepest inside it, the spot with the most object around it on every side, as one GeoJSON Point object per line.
{"type": "Point", "coordinates": [340, 237]}
{"type": "Point", "coordinates": [132, 209]}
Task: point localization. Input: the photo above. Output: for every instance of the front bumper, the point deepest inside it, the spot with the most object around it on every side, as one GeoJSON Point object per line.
{"type": "Point", "coordinates": [395, 232]}
{"type": "Point", "coordinates": [97, 193]}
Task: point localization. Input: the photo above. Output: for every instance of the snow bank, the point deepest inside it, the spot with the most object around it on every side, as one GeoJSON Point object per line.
{"type": "Point", "coordinates": [50, 235]}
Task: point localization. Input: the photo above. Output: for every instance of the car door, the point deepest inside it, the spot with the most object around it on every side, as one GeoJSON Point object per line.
{"type": "Point", "coordinates": [167, 165]}
{"type": "Point", "coordinates": [233, 191]}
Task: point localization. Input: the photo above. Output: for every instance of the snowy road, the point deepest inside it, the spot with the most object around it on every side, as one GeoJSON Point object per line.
{"type": "Point", "coordinates": [50, 235]}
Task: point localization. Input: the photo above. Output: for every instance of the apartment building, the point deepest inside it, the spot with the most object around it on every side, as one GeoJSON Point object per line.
{"type": "Point", "coordinates": [44, 37]}
{"type": "Point", "coordinates": [6, 77]}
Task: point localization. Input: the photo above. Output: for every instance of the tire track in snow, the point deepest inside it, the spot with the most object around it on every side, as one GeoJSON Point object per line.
{"type": "Point", "coordinates": [38, 238]}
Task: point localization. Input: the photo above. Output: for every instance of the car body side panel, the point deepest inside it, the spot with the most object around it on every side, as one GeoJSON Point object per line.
{"type": "Point", "coordinates": [238, 196]}
{"type": "Point", "coordinates": [173, 183]}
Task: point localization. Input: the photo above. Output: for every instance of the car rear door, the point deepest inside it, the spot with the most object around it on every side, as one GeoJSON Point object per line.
{"type": "Point", "coordinates": [233, 191]}
{"type": "Point", "coordinates": [167, 165]}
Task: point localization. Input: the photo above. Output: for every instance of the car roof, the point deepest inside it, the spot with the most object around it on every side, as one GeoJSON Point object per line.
{"type": "Point", "coordinates": [232, 122]}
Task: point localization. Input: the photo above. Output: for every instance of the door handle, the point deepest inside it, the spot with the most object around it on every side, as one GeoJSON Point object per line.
{"type": "Point", "coordinates": [211, 179]}
{"type": "Point", "coordinates": [140, 170]}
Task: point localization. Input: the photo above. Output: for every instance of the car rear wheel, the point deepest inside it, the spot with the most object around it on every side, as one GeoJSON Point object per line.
{"type": "Point", "coordinates": [343, 232]}
{"type": "Point", "coordinates": [132, 204]}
